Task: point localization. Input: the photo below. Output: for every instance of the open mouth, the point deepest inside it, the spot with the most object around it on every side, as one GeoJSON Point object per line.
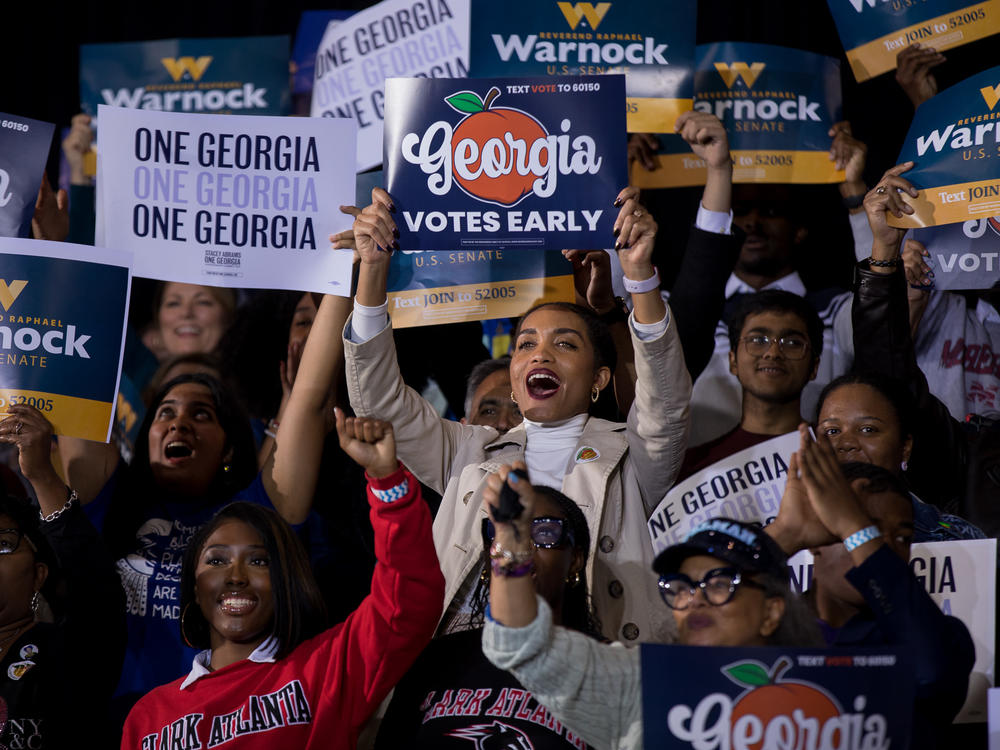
{"type": "Point", "coordinates": [771, 370]}
{"type": "Point", "coordinates": [237, 604]}
{"type": "Point", "coordinates": [542, 384]}
{"type": "Point", "coordinates": [177, 450]}
{"type": "Point", "coordinates": [187, 331]}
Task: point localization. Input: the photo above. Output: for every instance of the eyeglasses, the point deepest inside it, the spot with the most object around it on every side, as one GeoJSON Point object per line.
{"type": "Point", "coordinates": [793, 347]}
{"type": "Point", "coordinates": [719, 587]}
{"type": "Point", "coordinates": [10, 540]}
{"type": "Point", "coordinates": [546, 532]}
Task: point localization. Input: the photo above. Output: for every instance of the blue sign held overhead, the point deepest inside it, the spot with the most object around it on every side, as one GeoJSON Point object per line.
{"type": "Point", "coordinates": [505, 163]}
{"type": "Point", "coordinates": [24, 149]}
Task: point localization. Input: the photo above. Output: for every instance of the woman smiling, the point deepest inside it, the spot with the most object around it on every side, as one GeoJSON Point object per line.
{"type": "Point", "coordinates": [270, 674]}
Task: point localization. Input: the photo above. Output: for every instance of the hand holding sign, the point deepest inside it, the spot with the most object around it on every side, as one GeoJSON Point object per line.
{"type": "Point", "coordinates": [592, 278]}
{"type": "Point", "coordinates": [26, 428]}
{"type": "Point", "coordinates": [886, 198]}
{"type": "Point", "coordinates": [913, 72]}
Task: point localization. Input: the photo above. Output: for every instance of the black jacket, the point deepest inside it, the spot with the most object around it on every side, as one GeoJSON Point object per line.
{"type": "Point", "coordinates": [954, 465]}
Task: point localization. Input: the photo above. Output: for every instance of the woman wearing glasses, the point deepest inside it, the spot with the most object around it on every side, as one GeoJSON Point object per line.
{"type": "Point", "coordinates": [59, 654]}
{"type": "Point", "coordinates": [726, 585]}
{"type": "Point", "coordinates": [453, 694]}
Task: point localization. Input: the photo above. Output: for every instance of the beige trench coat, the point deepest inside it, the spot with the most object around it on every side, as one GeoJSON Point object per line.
{"type": "Point", "coordinates": [636, 464]}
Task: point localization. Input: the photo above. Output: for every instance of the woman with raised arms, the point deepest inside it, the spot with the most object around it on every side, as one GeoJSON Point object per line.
{"type": "Point", "coordinates": [270, 675]}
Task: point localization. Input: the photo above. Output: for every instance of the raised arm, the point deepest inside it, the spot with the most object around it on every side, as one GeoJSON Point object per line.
{"type": "Point", "coordinates": [592, 688]}
{"type": "Point", "coordinates": [394, 623]}
{"type": "Point", "coordinates": [26, 428]}
{"type": "Point", "coordinates": [658, 420]}
{"type": "Point", "coordinates": [426, 443]}
{"type": "Point", "coordinates": [698, 295]}
{"type": "Point", "coordinates": [883, 345]}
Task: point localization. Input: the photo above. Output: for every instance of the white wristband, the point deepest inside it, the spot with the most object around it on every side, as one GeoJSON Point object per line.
{"type": "Point", "coordinates": [646, 285]}
{"type": "Point", "coordinates": [858, 538]}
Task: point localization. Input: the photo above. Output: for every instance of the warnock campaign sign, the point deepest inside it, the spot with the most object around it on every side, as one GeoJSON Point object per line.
{"type": "Point", "coordinates": [227, 201]}
{"type": "Point", "coordinates": [247, 75]}
{"type": "Point", "coordinates": [24, 149]}
{"type": "Point", "coordinates": [651, 42]}
{"type": "Point", "coordinates": [777, 105]}
{"type": "Point", "coordinates": [429, 287]}
{"type": "Point", "coordinates": [505, 162]}
{"type": "Point", "coordinates": [770, 697]}
{"type": "Point", "coordinates": [954, 141]}
{"type": "Point", "coordinates": [874, 31]}
{"type": "Point", "coordinates": [746, 486]}
{"type": "Point", "coordinates": [63, 310]}
{"type": "Point", "coordinates": [964, 255]}
{"type": "Point", "coordinates": [426, 38]}
{"type": "Point", "coordinates": [960, 576]}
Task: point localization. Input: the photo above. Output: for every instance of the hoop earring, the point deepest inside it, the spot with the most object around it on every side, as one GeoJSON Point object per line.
{"type": "Point", "coordinates": [35, 598]}
{"type": "Point", "coordinates": [904, 466]}
{"type": "Point", "coordinates": [573, 580]}
{"type": "Point", "coordinates": [595, 394]}
{"type": "Point", "coordinates": [184, 637]}
{"type": "Point", "coordinates": [512, 397]}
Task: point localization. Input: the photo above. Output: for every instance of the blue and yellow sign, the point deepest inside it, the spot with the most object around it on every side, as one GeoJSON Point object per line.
{"type": "Point", "coordinates": [875, 31]}
{"type": "Point", "coordinates": [434, 286]}
{"type": "Point", "coordinates": [247, 76]}
{"type": "Point", "coordinates": [62, 320]}
{"type": "Point", "coordinates": [954, 141]}
{"type": "Point", "coordinates": [777, 105]}
{"type": "Point", "coordinates": [651, 42]}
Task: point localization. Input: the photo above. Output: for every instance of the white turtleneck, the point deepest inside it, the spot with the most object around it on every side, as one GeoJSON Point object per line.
{"type": "Point", "coordinates": [548, 451]}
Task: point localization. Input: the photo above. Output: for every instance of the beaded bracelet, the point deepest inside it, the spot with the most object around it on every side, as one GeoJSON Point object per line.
{"type": "Point", "coordinates": [883, 263]}
{"type": "Point", "coordinates": [513, 571]}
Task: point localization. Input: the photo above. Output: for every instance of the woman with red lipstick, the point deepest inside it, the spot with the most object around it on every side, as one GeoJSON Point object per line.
{"type": "Point", "coordinates": [563, 357]}
{"type": "Point", "coordinates": [270, 675]}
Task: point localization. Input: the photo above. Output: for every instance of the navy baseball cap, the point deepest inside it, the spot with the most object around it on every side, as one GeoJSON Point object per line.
{"type": "Point", "coordinates": [742, 545]}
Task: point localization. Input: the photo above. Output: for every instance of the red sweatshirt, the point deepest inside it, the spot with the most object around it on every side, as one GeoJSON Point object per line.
{"type": "Point", "coordinates": [323, 691]}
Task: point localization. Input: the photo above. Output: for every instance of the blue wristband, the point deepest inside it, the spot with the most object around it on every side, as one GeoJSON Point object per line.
{"type": "Point", "coordinates": [393, 494]}
{"type": "Point", "coordinates": [858, 538]}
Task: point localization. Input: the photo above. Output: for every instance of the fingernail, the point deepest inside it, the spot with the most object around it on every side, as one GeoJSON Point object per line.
{"type": "Point", "coordinates": [618, 202]}
{"type": "Point", "coordinates": [392, 206]}
{"type": "Point", "coordinates": [615, 233]}
{"type": "Point", "coordinates": [513, 478]}
{"type": "Point", "coordinates": [618, 246]}
{"type": "Point", "coordinates": [395, 245]}
{"type": "Point", "coordinates": [395, 232]}
{"type": "Point", "coordinates": [931, 274]}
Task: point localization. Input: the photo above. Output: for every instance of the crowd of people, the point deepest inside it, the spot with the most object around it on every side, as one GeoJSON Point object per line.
{"type": "Point", "coordinates": [293, 545]}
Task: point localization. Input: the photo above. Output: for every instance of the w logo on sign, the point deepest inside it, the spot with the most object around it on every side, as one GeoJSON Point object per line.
{"type": "Point", "coordinates": [9, 293]}
{"type": "Point", "coordinates": [178, 66]}
{"type": "Point", "coordinates": [991, 94]}
{"type": "Point", "coordinates": [576, 12]}
{"type": "Point", "coordinates": [748, 73]}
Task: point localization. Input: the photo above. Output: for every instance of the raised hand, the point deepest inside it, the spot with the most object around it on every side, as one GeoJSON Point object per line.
{"type": "Point", "coordinates": [830, 495]}
{"type": "Point", "coordinates": [849, 154]}
{"type": "Point", "coordinates": [913, 72]}
{"type": "Point", "coordinates": [51, 218]}
{"type": "Point", "coordinates": [375, 230]}
{"type": "Point", "coordinates": [514, 535]}
{"type": "Point", "coordinates": [592, 279]}
{"type": "Point", "coordinates": [369, 442]}
{"type": "Point", "coordinates": [642, 148]}
{"type": "Point", "coordinates": [706, 136]}
{"type": "Point", "coordinates": [883, 199]}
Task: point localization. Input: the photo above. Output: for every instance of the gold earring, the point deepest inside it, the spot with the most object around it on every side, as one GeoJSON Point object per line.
{"type": "Point", "coordinates": [595, 394]}
{"type": "Point", "coordinates": [184, 636]}
{"type": "Point", "coordinates": [573, 580]}
{"type": "Point", "coordinates": [512, 397]}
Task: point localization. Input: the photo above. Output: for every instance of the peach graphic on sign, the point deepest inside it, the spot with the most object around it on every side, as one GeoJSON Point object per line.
{"type": "Point", "coordinates": [769, 698]}
{"type": "Point", "coordinates": [494, 148]}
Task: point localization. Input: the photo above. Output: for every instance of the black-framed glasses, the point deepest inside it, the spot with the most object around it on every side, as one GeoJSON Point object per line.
{"type": "Point", "coordinates": [547, 532]}
{"type": "Point", "coordinates": [10, 540]}
{"type": "Point", "coordinates": [793, 347]}
{"type": "Point", "coordinates": [719, 587]}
